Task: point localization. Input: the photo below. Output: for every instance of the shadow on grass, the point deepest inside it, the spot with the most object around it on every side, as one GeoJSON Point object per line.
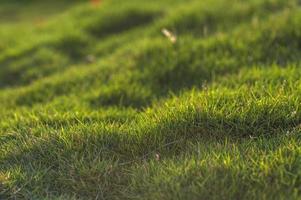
{"type": "Point", "coordinates": [121, 21]}
{"type": "Point", "coordinates": [43, 60]}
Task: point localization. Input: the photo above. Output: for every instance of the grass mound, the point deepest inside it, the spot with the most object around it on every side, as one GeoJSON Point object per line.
{"type": "Point", "coordinates": [98, 104]}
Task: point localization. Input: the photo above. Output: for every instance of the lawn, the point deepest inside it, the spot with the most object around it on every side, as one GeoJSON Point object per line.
{"type": "Point", "coordinates": [160, 99]}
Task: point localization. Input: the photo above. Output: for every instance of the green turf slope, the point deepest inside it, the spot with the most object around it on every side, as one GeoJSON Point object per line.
{"type": "Point", "coordinates": [96, 103]}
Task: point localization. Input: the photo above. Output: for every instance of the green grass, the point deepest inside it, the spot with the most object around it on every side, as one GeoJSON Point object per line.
{"type": "Point", "coordinates": [96, 103]}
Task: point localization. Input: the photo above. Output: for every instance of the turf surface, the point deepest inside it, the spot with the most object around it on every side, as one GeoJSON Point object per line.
{"type": "Point", "coordinates": [97, 103]}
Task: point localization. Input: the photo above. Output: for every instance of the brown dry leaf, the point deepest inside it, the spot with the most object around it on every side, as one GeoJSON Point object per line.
{"type": "Point", "coordinates": [169, 35]}
{"type": "Point", "coordinates": [157, 157]}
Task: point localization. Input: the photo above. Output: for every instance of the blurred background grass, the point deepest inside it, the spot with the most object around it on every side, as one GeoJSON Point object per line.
{"type": "Point", "coordinates": [36, 11]}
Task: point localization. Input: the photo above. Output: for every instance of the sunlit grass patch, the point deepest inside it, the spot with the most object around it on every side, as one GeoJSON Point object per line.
{"type": "Point", "coordinates": [168, 99]}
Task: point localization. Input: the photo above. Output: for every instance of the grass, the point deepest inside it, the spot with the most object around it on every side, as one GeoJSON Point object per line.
{"type": "Point", "coordinates": [96, 103]}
